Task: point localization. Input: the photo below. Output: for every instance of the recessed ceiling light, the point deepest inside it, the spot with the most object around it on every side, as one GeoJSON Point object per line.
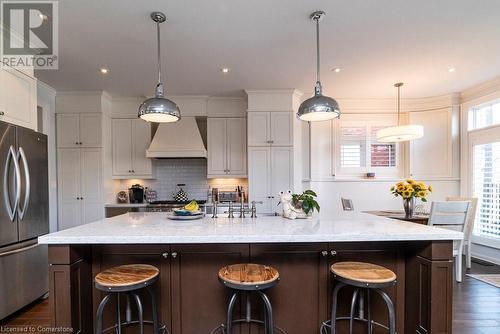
{"type": "Point", "coordinates": [104, 70]}
{"type": "Point", "coordinates": [225, 70]}
{"type": "Point", "coordinates": [452, 69]}
{"type": "Point", "coordinates": [336, 69]}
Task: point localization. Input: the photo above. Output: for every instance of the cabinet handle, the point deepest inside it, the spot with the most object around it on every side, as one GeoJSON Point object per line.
{"type": "Point", "coordinates": [76, 143]}
{"type": "Point", "coordinates": [333, 253]}
{"type": "Point", "coordinates": [271, 141]}
{"type": "Point", "coordinates": [81, 198]}
{"type": "Point", "coordinates": [324, 253]}
{"type": "Point", "coordinates": [133, 171]}
{"type": "Point", "coordinates": [2, 113]}
{"type": "Point", "coordinates": [78, 198]}
{"type": "Point", "coordinates": [165, 255]}
{"type": "Point", "coordinates": [81, 143]}
{"type": "Point", "coordinates": [174, 255]}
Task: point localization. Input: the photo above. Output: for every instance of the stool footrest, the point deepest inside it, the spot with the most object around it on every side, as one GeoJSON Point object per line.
{"type": "Point", "coordinates": [162, 328]}
{"type": "Point", "coordinates": [327, 323]}
{"type": "Point", "coordinates": [244, 321]}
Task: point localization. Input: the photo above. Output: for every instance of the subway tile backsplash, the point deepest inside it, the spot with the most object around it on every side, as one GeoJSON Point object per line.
{"type": "Point", "coordinates": [191, 172]}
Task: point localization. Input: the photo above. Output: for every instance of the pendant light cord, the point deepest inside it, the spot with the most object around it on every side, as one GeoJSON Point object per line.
{"type": "Point", "coordinates": [399, 105]}
{"type": "Point", "coordinates": [158, 50]}
{"type": "Point", "coordinates": [317, 51]}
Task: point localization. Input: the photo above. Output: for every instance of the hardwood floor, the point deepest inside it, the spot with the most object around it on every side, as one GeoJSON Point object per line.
{"type": "Point", "coordinates": [476, 307]}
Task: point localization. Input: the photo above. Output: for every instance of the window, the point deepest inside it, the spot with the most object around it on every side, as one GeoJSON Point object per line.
{"type": "Point", "coordinates": [359, 151]}
{"type": "Point", "coordinates": [484, 115]}
{"type": "Point", "coordinates": [486, 187]}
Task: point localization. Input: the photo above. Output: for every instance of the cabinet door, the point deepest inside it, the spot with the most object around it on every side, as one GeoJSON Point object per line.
{"type": "Point", "coordinates": [436, 146]}
{"type": "Point", "coordinates": [122, 147]}
{"type": "Point", "coordinates": [304, 270]}
{"type": "Point", "coordinates": [236, 147]}
{"type": "Point", "coordinates": [281, 173]}
{"type": "Point", "coordinates": [68, 130]}
{"type": "Point", "coordinates": [217, 147]}
{"type": "Point", "coordinates": [259, 128]}
{"type": "Point", "coordinates": [18, 98]}
{"type": "Point", "coordinates": [141, 138]}
{"type": "Point", "coordinates": [68, 177]}
{"type": "Point", "coordinates": [199, 301]}
{"type": "Point", "coordinates": [281, 128]}
{"type": "Point", "coordinates": [91, 185]}
{"type": "Point", "coordinates": [91, 130]}
{"type": "Point", "coordinates": [259, 177]}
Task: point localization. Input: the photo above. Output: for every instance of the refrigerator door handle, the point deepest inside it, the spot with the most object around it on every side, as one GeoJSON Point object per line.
{"type": "Point", "coordinates": [11, 155]}
{"type": "Point", "coordinates": [22, 211]}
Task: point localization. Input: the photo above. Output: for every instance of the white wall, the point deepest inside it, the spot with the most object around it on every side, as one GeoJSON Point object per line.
{"type": "Point", "coordinates": [46, 97]}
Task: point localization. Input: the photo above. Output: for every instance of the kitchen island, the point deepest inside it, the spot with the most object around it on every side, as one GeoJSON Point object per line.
{"type": "Point", "coordinates": [189, 254]}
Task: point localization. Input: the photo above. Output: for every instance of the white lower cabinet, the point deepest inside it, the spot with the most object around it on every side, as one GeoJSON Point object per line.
{"type": "Point", "coordinates": [79, 186]}
{"type": "Point", "coordinates": [18, 98]}
{"type": "Point", "coordinates": [270, 171]}
{"type": "Point", "coordinates": [130, 140]}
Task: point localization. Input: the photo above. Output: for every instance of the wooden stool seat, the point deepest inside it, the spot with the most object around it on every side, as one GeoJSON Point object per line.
{"type": "Point", "coordinates": [126, 277]}
{"type": "Point", "coordinates": [248, 276]}
{"type": "Point", "coordinates": [365, 273]}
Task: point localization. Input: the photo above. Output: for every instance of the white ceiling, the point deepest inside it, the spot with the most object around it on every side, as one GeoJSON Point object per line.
{"type": "Point", "coordinates": [270, 44]}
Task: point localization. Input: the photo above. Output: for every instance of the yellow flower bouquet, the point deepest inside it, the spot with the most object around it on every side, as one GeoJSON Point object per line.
{"type": "Point", "coordinates": [409, 190]}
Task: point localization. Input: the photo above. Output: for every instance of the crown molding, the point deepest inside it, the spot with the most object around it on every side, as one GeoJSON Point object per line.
{"type": "Point", "coordinates": [480, 90]}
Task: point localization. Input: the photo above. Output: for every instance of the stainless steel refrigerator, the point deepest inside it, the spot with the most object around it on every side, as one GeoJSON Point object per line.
{"type": "Point", "coordinates": [24, 215]}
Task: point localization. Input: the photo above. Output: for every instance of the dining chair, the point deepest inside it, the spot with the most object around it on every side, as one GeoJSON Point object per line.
{"type": "Point", "coordinates": [470, 226]}
{"type": "Point", "coordinates": [347, 204]}
{"type": "Point", "coordinates": [452, 216]}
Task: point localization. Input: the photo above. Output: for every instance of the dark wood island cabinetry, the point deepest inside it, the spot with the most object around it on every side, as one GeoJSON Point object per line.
{"type": "Point", "coordinates": [193, 301]}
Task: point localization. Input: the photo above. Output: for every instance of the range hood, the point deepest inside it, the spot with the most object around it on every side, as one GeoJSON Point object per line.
{"type": "Point", "coordinates": [181, 139]}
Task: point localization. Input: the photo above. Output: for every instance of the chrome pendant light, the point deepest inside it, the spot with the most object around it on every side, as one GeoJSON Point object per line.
{"type": "Point", "coordinates": [318, 107]}
{"type": "Point", "coordinates": [400, 132]}
{"type": "Point", "coordinates": [159, 109]}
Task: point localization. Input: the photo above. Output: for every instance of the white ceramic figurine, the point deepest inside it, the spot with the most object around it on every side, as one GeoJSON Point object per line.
{"type": "Point", "coordinates": [289, 211]}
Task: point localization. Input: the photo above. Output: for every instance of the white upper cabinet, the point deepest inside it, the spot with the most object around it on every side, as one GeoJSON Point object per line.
{"type": "Point", "coordinates": [79, 130]}
{"type": "Point", "coordinates": [18, 98]}
{"type": "Point", "coordinates": [227, 156]}
{"type": "Point", "coordinates": [281, 128]}
{"type": "Point", "coordinates": [431, 157]}
{"type": "Point", "coordinates": [130, 140]}
{"type": "Point", "coordinates": [270, 128]}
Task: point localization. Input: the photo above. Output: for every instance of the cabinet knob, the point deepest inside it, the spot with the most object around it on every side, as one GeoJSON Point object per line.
{"type": "Point", "coordinates": [81, 198]}
{"type": "Point", "coordinates": [174, 255]}
{"type": "Point", "coordinates": [2, 113]}
{"type": "Point", "coordinates": [76, 143]}
{"type": "Point", "coordinates": [324, 253]}
{"type": "Point", "coordinates": [165, 255]}
{"type": "Point", "coordinates": [333, 253]}
{"type": "Point", "coordinates": [81, 143]}
{"type": "Point", "coordinates": [133, 171]}
{"type": "Point", "coordinates": [78, 198]}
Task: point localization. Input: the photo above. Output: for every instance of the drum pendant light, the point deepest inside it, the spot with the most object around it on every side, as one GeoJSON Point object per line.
{"type": "Point", "coordinates": [400, 132]}
{"type": "Point", "coordinates": [318, 107]}
{"type": "Point", "coordinates": [158, 109]}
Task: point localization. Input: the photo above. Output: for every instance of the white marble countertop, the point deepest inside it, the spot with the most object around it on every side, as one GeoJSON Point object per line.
{"type": "Point", "coordinates": [156, 228]}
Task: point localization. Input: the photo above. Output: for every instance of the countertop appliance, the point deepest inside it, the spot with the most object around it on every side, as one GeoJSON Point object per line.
{"type": "Point", "coordinates": [136, 194]}
{"type": "Point", "coordinates": [24, 215]}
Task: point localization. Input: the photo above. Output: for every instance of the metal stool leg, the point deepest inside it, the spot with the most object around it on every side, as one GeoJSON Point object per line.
{"type": "Point", "coordinates": [118, 315]}
{"type": "Point", "coordinates": [229, 319]}
{"type": "Point", "coordinates": [139, 312]}
{"type": "Point", "coordinates": [333, 319]}
{"type": "Point", "coordinates": [269, 312]}
{"type": "Point", "coordinates": [353, 309]}
{"type": "Point", "coordinates": [390, 308]}
{"type": "Point", "coordinates": [100, 310]}
{"type": "Point", "coordinates": [154, 309]}
{"type": "Point", "coordinates": [369, 312]}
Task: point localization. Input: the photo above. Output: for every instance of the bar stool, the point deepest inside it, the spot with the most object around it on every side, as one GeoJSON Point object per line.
{"type": "Point", "coordinates": [128, 280]}
{"type": "Point", "coordinates": [248, 278]}
{"type": "Point", "coordinates": [364, 277]}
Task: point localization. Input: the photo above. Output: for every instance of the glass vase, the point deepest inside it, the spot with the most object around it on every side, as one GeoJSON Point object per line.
{"type": "Point", "coordinates": [409, 206]}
